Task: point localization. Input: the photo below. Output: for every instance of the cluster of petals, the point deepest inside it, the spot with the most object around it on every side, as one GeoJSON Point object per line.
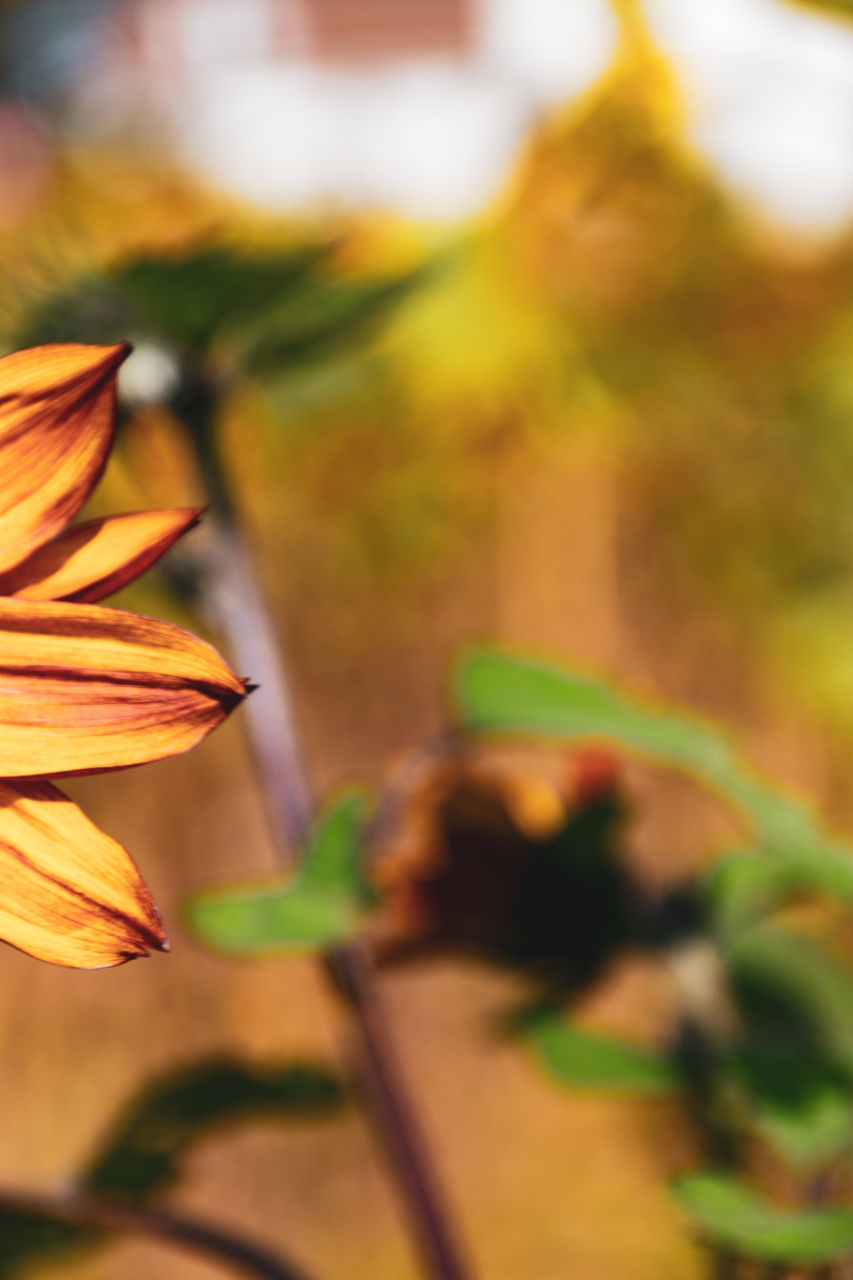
{"type": "Point", "coordinates": [83, 688]}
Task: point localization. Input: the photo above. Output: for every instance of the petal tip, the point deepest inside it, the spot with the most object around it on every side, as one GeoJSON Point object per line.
{"type": "Point", "coordinates": [117, 354]}
{"type": "Point", "coordinates": [152, 935]}
{"type": "Point", "coordinates": [148, 944]}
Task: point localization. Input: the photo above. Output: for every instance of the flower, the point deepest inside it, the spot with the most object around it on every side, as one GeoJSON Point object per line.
{"type": "Point", "coordinates": [494, 862]}
{"type": "Point", "coordinates": [83, 688]}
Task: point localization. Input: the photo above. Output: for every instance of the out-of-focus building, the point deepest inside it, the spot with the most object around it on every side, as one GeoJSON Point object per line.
{"type": "Point", "coordinates": [420, 105]}
{"type": "Point", "coordinates": [413, 104]}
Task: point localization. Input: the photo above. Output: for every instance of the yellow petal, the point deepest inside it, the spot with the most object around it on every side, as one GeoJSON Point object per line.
{"type": "Point", "coordinates": [68, 893]}
{"type": "Point", "coordinates": [57, 418]}
{"type": "Point", "coordinates": [84, 688]}
{"type": "Point", "coordinates": [89, 561]}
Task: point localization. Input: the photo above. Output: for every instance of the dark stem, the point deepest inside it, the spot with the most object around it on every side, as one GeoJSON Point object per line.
{"type": "Point", "coordinates": [235, 601]}
{"type": "Point", "coordinates": [232, 597]}
{"type": "Point", "coordinates": [85, 1210]}
{"type": "Point", "coordinates": [394, 1116]}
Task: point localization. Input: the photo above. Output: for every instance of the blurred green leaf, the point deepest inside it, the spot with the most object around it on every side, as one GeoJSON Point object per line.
{"type": "Point", "coordinates": [150, 1138]}
{"type": "Point", "coordinates": [743, 887]}
{"type": "Point", "coordinates": [273, 310]}
{"type": "Point", "coordinates": [728, 1214]}
{"type": "Point", "coordinates": [28, 1240]}
{"type": "Point", "coordinates": [807, 1116]}
{"type": "Point", "coordinates": [143, 1153]}
{"type": "Point", "coordinates": [776, 974]}
{"type": "Point", "coordinates": [190, 298]}
{"type": "Point", "coordinates": [794, 1065]}
{"type": "Point", "coordinates": [500, 694]}
{"type": "Point", "coordinates": [314, 321]}
{"type": "Point", "coordinates": [314, 908]}
{"type": "Point", "coordinates": [789, 1068]}
{"type": "Point", "coordinates": [583, 1060]}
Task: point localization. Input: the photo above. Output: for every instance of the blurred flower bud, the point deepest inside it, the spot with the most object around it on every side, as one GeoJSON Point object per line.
{"type": "Point", "coordinates": [498, 864]}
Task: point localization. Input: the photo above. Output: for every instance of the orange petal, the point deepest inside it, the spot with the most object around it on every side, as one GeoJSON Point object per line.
{"type": "Point", "coordinates": [57, 418]}
{"type": "Point", "coordinates": [84, 688]}
{"type": "Point", "coordinates": [89, 561]}
{"type": "Point", "coordinates": [68, 893]}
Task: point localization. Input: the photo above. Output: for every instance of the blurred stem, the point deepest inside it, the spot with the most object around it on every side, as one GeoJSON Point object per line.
{"type": "Point", "coordinates": [233, 598]}
{"type": "Point", "coordinates": [231, 594]}
{"type": "Point", "coordinates": [85, 1210]}
{"type": "Point", "coordinates": [394, 1115]}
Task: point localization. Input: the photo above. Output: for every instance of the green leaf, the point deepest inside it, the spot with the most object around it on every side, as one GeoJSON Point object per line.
{"type": "Point", "coordinates": [148, 1143]}
{"type": "Point", "coordinates": [30, 1239]}
{"type": "Point", "coordinates": [275, 310]}
{"type": "Point", "coordinates": [149, 1140]}
{"type": "Point", "coordinates": [777, 975]}
{"type": "Point", "coordinates": [744, 886]}
{"type": "Point", "coordinates": [583, 1060]}
{"type": "Point", "coordinates": [500, 694]}
{"type": "Point", "coordinates": [794, 1065]}
{"type": "Point", "coordinates": [189, 298]}
{"type": "Point", "coordinates": [314, 322]}
{"type": "Point", "coordinates": [728, 1214]}
{"type": "Point", "coordinates": [809, 1123]}
{"type": "Point", "coordinates": [314, 908]}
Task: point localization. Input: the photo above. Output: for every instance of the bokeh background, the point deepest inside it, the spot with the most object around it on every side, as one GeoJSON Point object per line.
{"type": "Point", "coordinates": [610, 421]}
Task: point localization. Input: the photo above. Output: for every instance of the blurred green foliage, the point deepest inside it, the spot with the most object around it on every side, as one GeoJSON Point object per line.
{"type": "Point", "coordinates": [580, 1059]}
{"type": "Point", "coordinates": [33, 1239]}
{"type": "Point", "coordinates": [779, 1064]}
{"type": "Point", "coordinates": [143, 1152]}
{"type": "Point", "coordinates": [150, 1139]}
{"type": "Point", "coordinates": [728, 1214]}
{"type": "Point", "coordinates": [258, 313]}
{"type": "Point", "coordinates": [313, 908]}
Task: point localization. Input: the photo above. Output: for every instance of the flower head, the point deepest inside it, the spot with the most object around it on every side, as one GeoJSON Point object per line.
{"type": "Point", "coordinates": [495, 862]}
{"type": "Point", "coordinates": [83, 688]}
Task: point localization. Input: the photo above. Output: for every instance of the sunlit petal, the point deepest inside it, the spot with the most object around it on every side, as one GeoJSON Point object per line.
{"type": "Point", "coordinates": [91, 560]}
{"type": "Point", "coordinates": [57, 417]}
{"type": "Point", "coordinates": [85, 688]}
{"type": "Point", "coordinates": [68, 893]}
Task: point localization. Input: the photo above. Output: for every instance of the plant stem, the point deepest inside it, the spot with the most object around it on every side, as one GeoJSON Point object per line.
{"type": "Point", "coordinates": [394, 1115]}
{"type": "Point", "coordinates": [86, 1210]}
{"type": "Point", "coordinates": [235, 601]}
